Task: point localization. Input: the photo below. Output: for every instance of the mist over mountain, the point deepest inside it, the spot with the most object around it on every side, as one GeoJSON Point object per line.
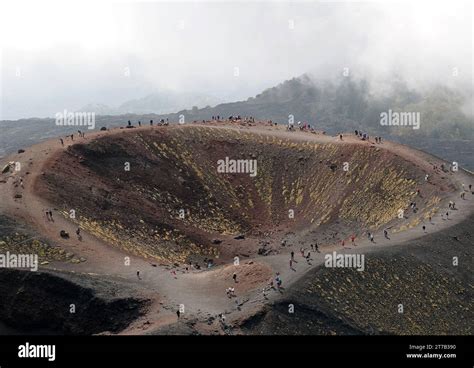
{"type": "Point", "coordinates": [334, 105]}
{"type": "Point", "coordinates": [161, 102]}
{"type": "Point", "coordinates": [345, 104]}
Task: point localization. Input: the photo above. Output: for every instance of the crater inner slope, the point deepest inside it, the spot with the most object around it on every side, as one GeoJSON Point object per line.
{"type": "Point", "coordinates": [173, 205]}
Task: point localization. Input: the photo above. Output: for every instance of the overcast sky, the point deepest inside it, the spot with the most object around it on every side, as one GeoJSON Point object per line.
{"type": "Point", "coordinates": [64, 55]}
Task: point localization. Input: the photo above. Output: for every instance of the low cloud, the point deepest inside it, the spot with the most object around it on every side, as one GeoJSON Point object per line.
{"type": "Point", "coordinates": [61, 56]}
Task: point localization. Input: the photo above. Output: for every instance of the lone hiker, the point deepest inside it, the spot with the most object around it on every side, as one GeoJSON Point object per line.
{"type": "Point", "coordinates": [62, 142]}
{"type": "Point", "coordinates": [278, 280]}
{"type": "Point", "coordinates": [138, 275]}
{"type": "Point", "coordinates": [78, 233]}
{"type": "Point", "coordinates": [234, 276]}
{"type": "Point", "coordinates": [292, 255]}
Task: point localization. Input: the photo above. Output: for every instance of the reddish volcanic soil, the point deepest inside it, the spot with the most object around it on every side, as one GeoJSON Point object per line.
{"type": "Point", "coordinates": [174, 206]}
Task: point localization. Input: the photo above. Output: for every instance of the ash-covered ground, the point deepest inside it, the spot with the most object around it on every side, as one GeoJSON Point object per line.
{"type": "Point", "coordinates": [437, 296]}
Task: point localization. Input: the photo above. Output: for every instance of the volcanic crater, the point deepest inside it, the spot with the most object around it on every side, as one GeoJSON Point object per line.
{"type": "Point", "coordinates": [157, 193]}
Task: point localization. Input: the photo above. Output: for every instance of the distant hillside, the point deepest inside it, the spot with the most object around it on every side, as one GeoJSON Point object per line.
{"type": "Point", "coordinates": [333, 106]}
{"type": "Point", "coordinates": [162, 102]}
{"type": "Point", "coordinates": [347, 104]}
